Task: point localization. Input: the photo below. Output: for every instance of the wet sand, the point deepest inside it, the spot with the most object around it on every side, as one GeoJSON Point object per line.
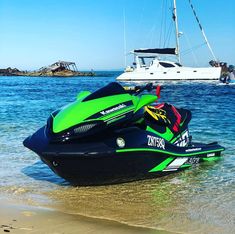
{"type": "Point", "coordinates": [20, 218]}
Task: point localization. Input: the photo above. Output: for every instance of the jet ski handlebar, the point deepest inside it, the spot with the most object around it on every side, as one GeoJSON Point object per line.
{"type": "Point", "coordinates": [136, 90]}
{"type": "Point", "coordinates": [148, 87]}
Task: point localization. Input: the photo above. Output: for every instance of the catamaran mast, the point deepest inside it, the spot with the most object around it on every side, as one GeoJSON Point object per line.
{"type": "Point", "coordinates": [175, 18]}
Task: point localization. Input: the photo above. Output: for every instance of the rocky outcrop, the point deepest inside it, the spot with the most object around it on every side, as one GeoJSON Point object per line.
{"type": "Point", "coordinates": [64, 73]}
{"type": "Point", "coordinates": [10, 72]}
{"type": "Point", "coordinates": [44, 73]}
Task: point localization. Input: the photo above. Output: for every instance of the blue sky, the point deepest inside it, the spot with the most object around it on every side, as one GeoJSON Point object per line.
{"type": "Point", "coordinates": [37, 33]}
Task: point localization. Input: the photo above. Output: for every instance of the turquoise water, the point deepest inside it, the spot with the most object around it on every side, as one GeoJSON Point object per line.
{"type": "Point", "coordinates": [199, 200]}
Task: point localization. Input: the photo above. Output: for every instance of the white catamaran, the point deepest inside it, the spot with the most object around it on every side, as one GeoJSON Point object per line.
{"type": "Point", "coordinates": [157, 69]}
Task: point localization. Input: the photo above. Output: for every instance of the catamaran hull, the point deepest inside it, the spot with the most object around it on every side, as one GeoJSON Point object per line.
{"type": "Point", "coordinates": [181, 73]}
{"type": "Point", "coordinates": [98, 163]}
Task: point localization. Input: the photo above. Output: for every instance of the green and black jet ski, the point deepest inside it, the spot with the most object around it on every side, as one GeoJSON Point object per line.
{"type": "Point", "coordinates": [116, 135]}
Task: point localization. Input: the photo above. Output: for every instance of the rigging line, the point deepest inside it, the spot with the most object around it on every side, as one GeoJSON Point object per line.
{"type": "Point", "coordinates": [169, 32]}
{"type": "Point", "coordinates": [124, 35]}
{"type": "Point", "coordinates": [152, 32]}
{"type": "Point", "coordinates": [195, 47]}
{"type": "Point", "coordinates": [203, 33]}
{"type": "Point", "coordinates": [170, 29]}
{"type": "Point", "coordinates": [191, 50]}
{"type": "Point", "coordinates": [160, 39]}
{"type": "Point", "coordinates": [164, 22]}
{"type": "Point", "coordinates": [140, 23]}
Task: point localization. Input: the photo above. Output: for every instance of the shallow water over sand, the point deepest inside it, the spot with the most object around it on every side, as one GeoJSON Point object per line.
{"type": "Point", "coordinates": [199, 200]}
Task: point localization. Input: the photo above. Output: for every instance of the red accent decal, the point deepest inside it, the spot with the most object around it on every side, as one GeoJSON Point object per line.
{"type": "Point", "coordinates": [159, 106]}
{"type": "Point", "coordinates": [178, 118]}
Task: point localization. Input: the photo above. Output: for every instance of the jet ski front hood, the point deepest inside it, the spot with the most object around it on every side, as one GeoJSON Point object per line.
{"type": "Point", "coordinates": [87, 111]}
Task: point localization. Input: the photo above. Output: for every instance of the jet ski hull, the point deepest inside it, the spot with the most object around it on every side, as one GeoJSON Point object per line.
{"type": "Point", "coordinates": [104, 162]}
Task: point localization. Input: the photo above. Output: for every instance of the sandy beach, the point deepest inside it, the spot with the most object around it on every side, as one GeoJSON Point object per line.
{"type": "Point", "coordinates": [22, 218]}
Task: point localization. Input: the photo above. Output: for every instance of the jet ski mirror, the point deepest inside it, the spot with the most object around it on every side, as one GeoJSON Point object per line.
{"type": "Point", "coordinates": [148, 87]}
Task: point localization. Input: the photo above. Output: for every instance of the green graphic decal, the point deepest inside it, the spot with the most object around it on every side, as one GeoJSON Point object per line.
{"type": "Point", "coordinates": [168, 152]}
{"type": "Point", "coordinates": [211, 159]}
{"type": "Point", "coordinates": [185, 165]}
{"type": "Point", "coordinates": [166, 135]}
{"type": "Point", "coordinates": [162, 165]}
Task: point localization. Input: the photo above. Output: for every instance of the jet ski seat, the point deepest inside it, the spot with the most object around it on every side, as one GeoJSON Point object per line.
{"type": "Point", "coordinates": [165, 115]}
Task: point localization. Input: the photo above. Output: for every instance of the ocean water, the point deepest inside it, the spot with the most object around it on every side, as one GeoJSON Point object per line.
{"type": "Point", "coordinates": [198, 200]}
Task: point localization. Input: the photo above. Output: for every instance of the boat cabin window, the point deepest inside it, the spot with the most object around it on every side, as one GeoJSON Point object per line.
{"type": "Point", "coordinates": [146, 61]}
{"type": "Point", "coordinates": [108, 90]}
{"type": "Point", "coordinates": [142, 62]}
{"type": "Point", "coordinates": [178, 64]}
{"type": "Point", "coordinates": [164, 64]}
